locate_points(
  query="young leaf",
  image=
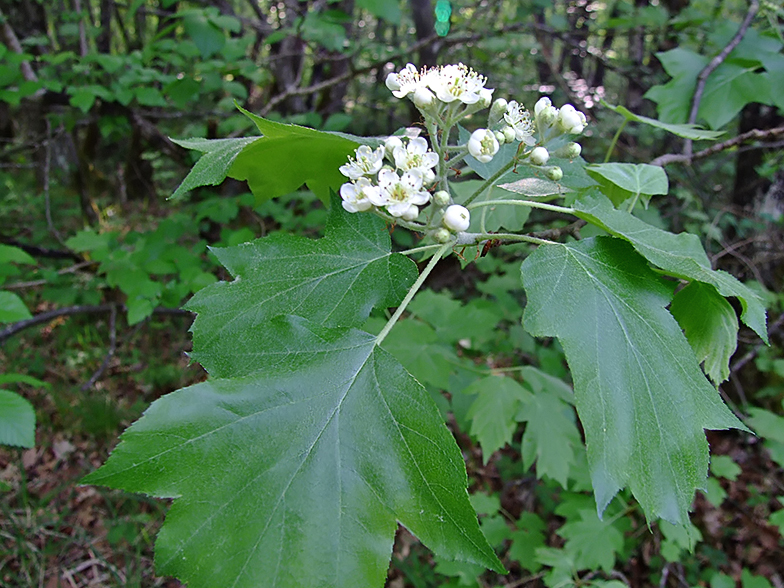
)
(592, 542)
(623, 180)
(17, 420)
(12, 308)
(686, 131)
(295, 475)
(493, 411)
(710, 325)
(275, 165)
(640, 394)
(526, 540)
(680, 255)
(334, 281)
(550, 433)
(213, 167)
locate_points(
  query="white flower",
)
(367, 163)
(404, 82)
(415, 156)
(571, 120)
(517, 117)
(398, 194)
(356, 195)
(457, 218)
(539, 156)
(483, 145)
(457, 82)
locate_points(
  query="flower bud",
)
(392, 143)
(499, 107)
(442, 236)
(509, 134)
(457, 218)
(428, 176)
(570, 150)
(554, 173)
(423, 97)
(441, 198)
(500, 137)
(485, 97)
(411, 213)
(541, 104)
(546, 117)
(539, 156)
(570, 120)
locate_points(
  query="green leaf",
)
(319, 452)
(777, 520)
(513, 218)
(493, 411)
(17, 420)
(723, 466)
(12, 308)
(335, 281)
(209, 39)
(681, 256)
(673, 99)
(767, 424)
(641, 397)
(710, 325)
(623, 180)
(288, 156)
(686, 131)
(594, 543)
(749, 580)
(213, 167)
(24, 379)
(677, 539)
(526, 540)
(389, 10)
(550, 434)
(10, 254)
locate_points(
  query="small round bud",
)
(541, 104)
(539, 156)
(411, 213)
(500, 137)
(442, 236)
(428, 176)
(499, 107)
(423, 97)
(485, 97)
(509, 134)
(483, 145)
(554, 173)
(457, 218)
(572, 150)
(392, 143)
(547, 116)
(570, 120)
(442, 198)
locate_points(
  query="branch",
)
(572, 229)
(756, 134)
(109, 354)
(45, 317)
(8, 36)
(702, 78)
(36, 251)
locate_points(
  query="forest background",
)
(95, 262)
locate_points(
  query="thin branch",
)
(10, 39)
(754, 134)
(702, 78)
(45, 317)
(572, 229)
(83, 49)
(109, 354)
(47, 169)
(35, 283)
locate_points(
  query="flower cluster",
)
(401, 190)
(446, 83)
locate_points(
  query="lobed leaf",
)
(686, 131)
(213, 167)
(641, 397)
(294, 475)
(679, 255)
(334, 281)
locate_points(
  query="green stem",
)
(420, 249)
(528, 203)
(634, 202)
(611, 148)
(412, 291)
(489, 182)
(420, 228)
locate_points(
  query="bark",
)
(104, 41)
(424, 23)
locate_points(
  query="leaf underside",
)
(639, 392)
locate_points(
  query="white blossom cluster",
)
(446, 83)
(400, 190)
